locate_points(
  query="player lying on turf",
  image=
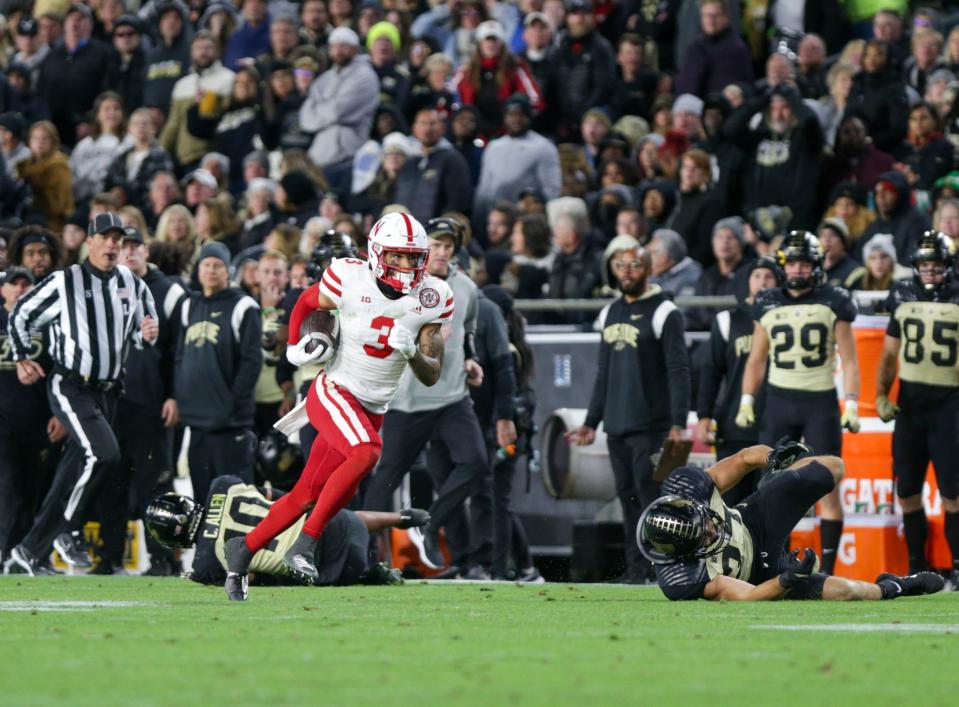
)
(233, 509)
(704, 550)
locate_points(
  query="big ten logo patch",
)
(429, 297)
(202, 333)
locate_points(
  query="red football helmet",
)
(398, 233)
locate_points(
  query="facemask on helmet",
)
(802, 246)
(173, 520)
(673, 529)
(403, 234)
(934, 247)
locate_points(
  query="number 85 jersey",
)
(801, 333)
(365, 364)
(927, 325)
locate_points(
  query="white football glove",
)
(401, 339)
(298, 355)
(746, 416)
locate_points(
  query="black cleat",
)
(237, 586)
(952, 581)
(427, 543)
(73, 549)
(914, 584)
(413, 518)
(299, 560)
(22, 561)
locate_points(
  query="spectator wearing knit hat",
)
(727, 276)
(840, 268)
(218, 360)
(383, 43)
(340, 105)
(880, 266)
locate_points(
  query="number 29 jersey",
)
(802, 338)
(928, 326)
(365, 364)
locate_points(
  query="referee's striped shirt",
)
(94, 316)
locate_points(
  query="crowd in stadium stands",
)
(706, 129)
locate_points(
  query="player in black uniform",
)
(798, 328)
(923, 336)
(702, 549)
(721, 376)
(234, 508)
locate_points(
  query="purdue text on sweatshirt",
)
(642, 380)
(218, 360)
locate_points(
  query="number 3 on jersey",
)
(380, 349)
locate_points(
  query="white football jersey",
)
(364, 363)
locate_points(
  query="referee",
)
(96, 311)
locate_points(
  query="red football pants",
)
(346, 449)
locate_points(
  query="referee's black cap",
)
(104, 223)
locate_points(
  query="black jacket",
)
(642, 378)
(781, 168)
(148, 371)
(138, 188)
(493, 400)
(575, 275)
(906, 224)
(583, 69)
(721, 375)
(435, 183)
(693, 218)
(880, 98)
(164, 67)
(218, 360)
(71, 82)
(129, 81)
(233, 132)
(24, 409)
(844, 273)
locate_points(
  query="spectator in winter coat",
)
(698, 207)
(132, 170)
(855, 158)
(521, 159)
(76, 72)
(93, 155)
(48, 174)
(538, 55)
(728, 273)
(235, 130)
(879, 95)
(31, 49)
(492, 75)
(584, 65)
(895, 215)
(169, 59)
(209, 83)
(925, 59)
(635, 86)
(250, 39)
(716, 60)
(575, 273)
(672, 269)
(438, 180)
(925, 154)
(341, 102)
(131, 71)
(783, 149)
(383, 43)
(811, 72)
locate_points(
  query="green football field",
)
(141, 641)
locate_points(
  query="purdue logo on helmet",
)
(802, 246)
(173, 520)
(673, 528)
(933, 247)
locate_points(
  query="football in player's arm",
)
(922, 341)
(702, 549)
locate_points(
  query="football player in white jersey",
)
(390, 312)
